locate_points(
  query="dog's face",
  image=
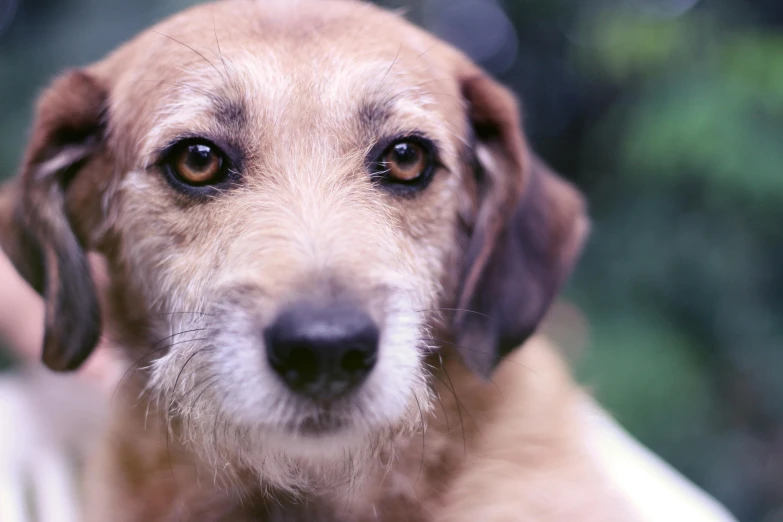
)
(298, 203)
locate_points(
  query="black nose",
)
(322, 351)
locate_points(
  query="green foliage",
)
(682, 281)
(707, 100)
(641, 368)
(625, 45)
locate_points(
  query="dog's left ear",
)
(527, 233)
(43, 213)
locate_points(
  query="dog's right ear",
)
(36, 221)
(15, 240)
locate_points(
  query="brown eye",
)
(405, 161)
(198, 164)
(403, 166)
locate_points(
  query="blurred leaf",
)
(645, 369)
(706, 128)
(622, 44)
(753, 63)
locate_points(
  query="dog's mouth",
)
(325, 421)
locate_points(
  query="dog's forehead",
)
(331, 68)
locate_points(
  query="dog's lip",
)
(313, 427)
(323, 422)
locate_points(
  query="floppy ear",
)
(37, 214)
(526, 235)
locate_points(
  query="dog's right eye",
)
(196, 165)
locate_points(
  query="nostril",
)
(302, 365)
(356, 361)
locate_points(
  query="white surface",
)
(657, 491)
(46, 425)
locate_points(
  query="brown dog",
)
(324, 230)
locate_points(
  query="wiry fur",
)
(300, 94)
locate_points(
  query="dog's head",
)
(297, 203)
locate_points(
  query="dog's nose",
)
(322, 351)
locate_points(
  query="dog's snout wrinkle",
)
(322, 351)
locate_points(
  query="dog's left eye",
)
(406, 165)
(405, 161)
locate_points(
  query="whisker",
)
(218, 416)
(180, 333)
(181, 84)
(182, 369)
(167, 427)
(430, 48)
(193, 388)
(421, 464)
(217, 42)
(452, 389)
(390, 67)
(440, 401)
(175, 313)
(155, 347)
(191, 48)
(454, 310)
(208, 382)
(134, 366)
(207, 386)
(443, 341)
(459, 409)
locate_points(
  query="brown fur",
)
(510, 449)
(462, 426)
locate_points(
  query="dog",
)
(328, 248)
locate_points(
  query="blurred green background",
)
(668, 114)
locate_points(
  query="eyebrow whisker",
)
(217, 43)
(182, 84)
(390, 67)
(191, 48)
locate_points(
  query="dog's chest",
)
(320, 510)
(282, 510)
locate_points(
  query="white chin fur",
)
(238, 416)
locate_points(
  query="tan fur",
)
(304, 90)
(509, 449)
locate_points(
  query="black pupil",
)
(199, 157)
(405, 155)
